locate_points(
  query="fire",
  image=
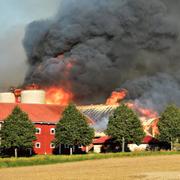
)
(149, 113)
(143, 112)
(116, 97)
(58, 95)
(149, 118)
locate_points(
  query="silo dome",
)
(7, 97)
(33, 97)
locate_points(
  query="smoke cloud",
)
(111, 44)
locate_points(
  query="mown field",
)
(52, 159)
(139, 167)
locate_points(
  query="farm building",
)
(44, 117)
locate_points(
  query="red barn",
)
(44, 117)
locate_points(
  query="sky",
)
(14, 17)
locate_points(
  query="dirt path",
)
(145, 168)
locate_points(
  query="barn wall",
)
(45, 138)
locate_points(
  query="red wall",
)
(44, 138)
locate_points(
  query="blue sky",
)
(14, 16)
(14, 12)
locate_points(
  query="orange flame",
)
(116, 97)
(149, 117)
(149, 113)
(143, 112)
(58, 95)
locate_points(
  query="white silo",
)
(33, 97)
(7, 97)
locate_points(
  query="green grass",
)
(52, 159)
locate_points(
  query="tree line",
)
(18, 132)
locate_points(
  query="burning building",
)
(91, 48)
(45, 116)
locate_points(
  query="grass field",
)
(52, 159)
(142, 167)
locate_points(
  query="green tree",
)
(73, 129)
(17, 131)
(169, 125)
(124, 126)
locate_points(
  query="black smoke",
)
(112, 44)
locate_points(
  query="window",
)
(52, 145)
(38, 130)
(52, 131)
(37, 145)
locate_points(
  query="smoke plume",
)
(111, 44)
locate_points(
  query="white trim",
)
(39, 130)
(52, 131)
(38, 145)
(52, 146)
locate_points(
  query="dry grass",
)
(145, 168)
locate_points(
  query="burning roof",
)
(99, 114)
